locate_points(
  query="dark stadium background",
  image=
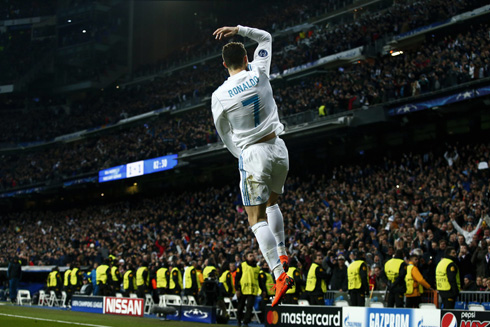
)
(144, 53)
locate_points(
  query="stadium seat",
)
(148, 303)
(119, 295)
(173, 300)
(230, 309)
(191, 300)
(43, 298)
(63, 299)
(161, 301)
(427, 306)
(255, 310)
(303, 303)
(341, 303)
(460, 305)
(476, 307)
(24, 296)
(486, 305)
(376, 305)
(53, 299)
(133, 295)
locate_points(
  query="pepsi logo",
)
(449, 320)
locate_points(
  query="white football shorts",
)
(263, 169)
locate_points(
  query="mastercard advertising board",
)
(465, 318)
(294, 315)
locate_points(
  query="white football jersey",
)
(243, 107)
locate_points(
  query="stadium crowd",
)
(419, 203)
(200, 80)
(438, 64)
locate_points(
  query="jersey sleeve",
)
(263, 53)
(223, 126)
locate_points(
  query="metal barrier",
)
(480, 297)
(380, 296)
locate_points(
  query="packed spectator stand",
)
(410, 202)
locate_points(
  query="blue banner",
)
(421, 29)
(93, 304)
(417, 106)
(481, 91)
(198, 314)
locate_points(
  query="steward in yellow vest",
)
(247, 287)
(316, 281)
(142, 280)
(358, 280)
(54, 281)
(293, 294)
(129, 282)
(415, 283)
(226, 283)
(116, 278)
(266, 285)
(396, 270)
(175, 283)
(162, 277)
(66, 279)
(76, 278)
(209, 272)
(447, 278)
(191, 282)
(104, 278)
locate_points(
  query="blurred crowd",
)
(418, 203)
(439, 64)
(198, 81)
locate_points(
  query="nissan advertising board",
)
(124, 306)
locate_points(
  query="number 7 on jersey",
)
(254, 100)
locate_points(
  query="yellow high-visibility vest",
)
(188, 278)
(113, 274)
(50, 279)
(410, 282)
(290, 273)
(172, 284)
(66, 281)
(223, 280)
(250, 279)
(441, 275)
(101, 274)
(392, 268)
(139, 277)
(311, 279)
(207, 271)
(126, 280)
(354, 276)
(269, 283)
(162, 278)
(74, 277)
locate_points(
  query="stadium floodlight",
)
(396, 53)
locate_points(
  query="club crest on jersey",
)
(263, 53)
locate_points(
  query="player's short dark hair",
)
(233, 54)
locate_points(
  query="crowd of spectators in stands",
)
(201, 80)
(437, 65)
(13, 9)
(419, 202)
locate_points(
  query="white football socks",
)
(276, 224)
(268, 246)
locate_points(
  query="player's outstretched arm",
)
(225, 31)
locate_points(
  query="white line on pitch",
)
(60, 321)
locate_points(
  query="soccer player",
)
(245, 115)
